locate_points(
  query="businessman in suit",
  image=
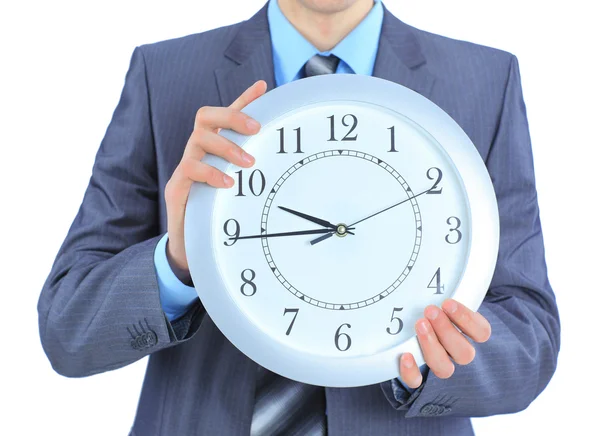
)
(120, 288)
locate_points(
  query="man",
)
(120, 288)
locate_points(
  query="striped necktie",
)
(285, 407)
(320, 64)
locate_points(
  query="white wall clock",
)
(366, 203)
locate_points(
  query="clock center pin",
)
(342, 230)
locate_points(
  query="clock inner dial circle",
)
(373, 243)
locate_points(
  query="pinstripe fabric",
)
(103, 282)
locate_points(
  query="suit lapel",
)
(399, 58)
(251, 59)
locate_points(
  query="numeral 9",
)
(235, 234)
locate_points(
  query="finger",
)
(472, 324)
(409, 371)
(453, 341)
(204, 141)
(187, 172)
(435, 355)
(178, 187)
(249, 95)
(213, 118)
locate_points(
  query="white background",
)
(62, 71)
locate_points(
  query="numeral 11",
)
(282, 141)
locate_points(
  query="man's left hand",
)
(440, 340)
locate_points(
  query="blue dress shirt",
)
(357, 52)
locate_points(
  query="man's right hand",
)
(205, 139)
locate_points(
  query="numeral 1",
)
(392, 139)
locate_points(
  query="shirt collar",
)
(291, 50)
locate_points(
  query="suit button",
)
(146, 337)
(428, 409)
(431, 409)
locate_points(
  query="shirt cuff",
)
(175, 296)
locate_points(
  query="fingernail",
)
(422, 327)
(252, 125)
(407, 363)
(227, 180)
(450, 306)
(432, 312)
(246, 157)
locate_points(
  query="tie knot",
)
(320, 64)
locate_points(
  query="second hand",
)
(388, 208)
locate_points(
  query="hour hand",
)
(313, 219)
(310, 218)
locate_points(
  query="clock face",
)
(337, 162)
(353, 219)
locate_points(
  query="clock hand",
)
(272, 235)
(322, 238)
(328, 235)
(340, 230)
(388, 208)
(313, 219)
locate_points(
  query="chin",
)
(327, 6)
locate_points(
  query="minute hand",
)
(273, 235)
(388, 208)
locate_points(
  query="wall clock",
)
(366, 203)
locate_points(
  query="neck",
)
(324, 29)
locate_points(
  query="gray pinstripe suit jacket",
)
(102, 288)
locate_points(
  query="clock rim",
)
(350, 371)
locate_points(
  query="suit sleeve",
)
(99, 308)
(513, 367)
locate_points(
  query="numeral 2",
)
(437, 178)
